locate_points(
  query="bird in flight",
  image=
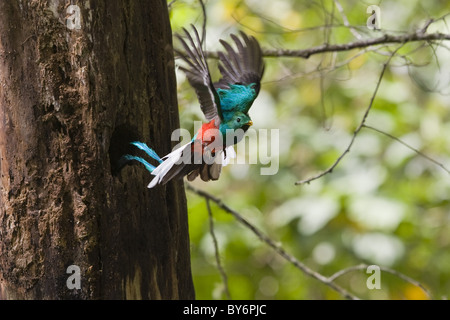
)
(225, 105)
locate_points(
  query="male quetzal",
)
(225, 105)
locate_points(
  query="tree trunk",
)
(77, 84)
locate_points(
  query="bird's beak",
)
(250, 123)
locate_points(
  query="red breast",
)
(207, 134)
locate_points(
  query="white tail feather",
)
(172, 158)
(229, 153)
(167, 164)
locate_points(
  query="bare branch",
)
(328, 69)
(358, 129)
(306, 53)
(329, 281)
(383, 40)
(277, 247)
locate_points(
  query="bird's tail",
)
(147, 150)
(127, 158)
(190, 160)
(179, 163)
(170, 166)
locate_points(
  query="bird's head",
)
(240, 120)
(234, 129)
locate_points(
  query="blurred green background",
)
(383, 204)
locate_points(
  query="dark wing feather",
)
(242, 66)
(198, 75)
(192, 170)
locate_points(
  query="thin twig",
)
(325, 70)
(384, 269)
(358, 129)
(216, 250)
(345, 20)
(277, 247)
(409, 147)
(202, 4)
(425, 27)
(170, 4)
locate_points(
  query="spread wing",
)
(242, 66)
(197, 73)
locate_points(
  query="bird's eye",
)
(238, 120)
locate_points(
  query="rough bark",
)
(70, 102)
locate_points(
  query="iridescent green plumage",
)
(241, 69)
(237, 98)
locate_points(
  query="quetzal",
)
(225, 105)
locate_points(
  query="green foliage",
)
(383, 204)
